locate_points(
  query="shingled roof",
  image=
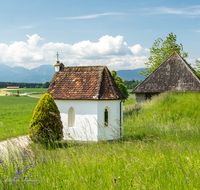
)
(84, 83)
(173, 74)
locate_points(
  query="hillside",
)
(131, 74)
(168, 116)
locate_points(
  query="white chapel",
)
(89, 101)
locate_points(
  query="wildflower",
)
(43, 161)
(25, 171)
(19, 171)
(12, 182)
(1, 161)
(4, 185)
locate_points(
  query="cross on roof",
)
(57, 56)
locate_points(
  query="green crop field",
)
(160, 150)
(24, 90)
(15, 115)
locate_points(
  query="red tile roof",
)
(12, 87)
(84, 83)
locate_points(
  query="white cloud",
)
(33, 40)
(136, 48)
(191, 61)
(26, 27)
(187, 11)
(90, 16)
(110, 51)
(198, 31)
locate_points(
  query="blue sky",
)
(113, 33)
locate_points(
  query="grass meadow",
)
(131, 96)
(160, 150)
(24, 90)
(15, 115)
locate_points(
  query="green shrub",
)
(46, 126)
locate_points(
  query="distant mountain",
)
(45, 73)
(131, 74)
(20, 74)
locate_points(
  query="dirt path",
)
(13, 145)
(2, 93)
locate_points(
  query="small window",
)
(71, 117)
(106, 117)
(148, 96)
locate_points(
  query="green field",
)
(24, 90)
(131, 95)
(129, 90)
(15, 115)
(160, 150)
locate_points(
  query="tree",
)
(197, 67)
(46, 126)
(46, 85)
(37, 86)
(120, 83)
(160, 50)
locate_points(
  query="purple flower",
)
(4, 186)
(1, 161)
(19, 172)
(43, 161)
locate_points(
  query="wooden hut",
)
(173, 74)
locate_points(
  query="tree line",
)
(131, 84)
(124, 85)
(24, 85)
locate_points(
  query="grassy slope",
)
(170, 116)
(160, 151)
(15, 115)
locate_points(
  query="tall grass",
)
(127, 165)
(169, 116)
(160, 150)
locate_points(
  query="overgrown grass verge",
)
(173, 116)
(127, 165)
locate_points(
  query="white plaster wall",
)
(112, 131)
(57, 68)
(85, 128)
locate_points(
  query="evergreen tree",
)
(46, 126)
